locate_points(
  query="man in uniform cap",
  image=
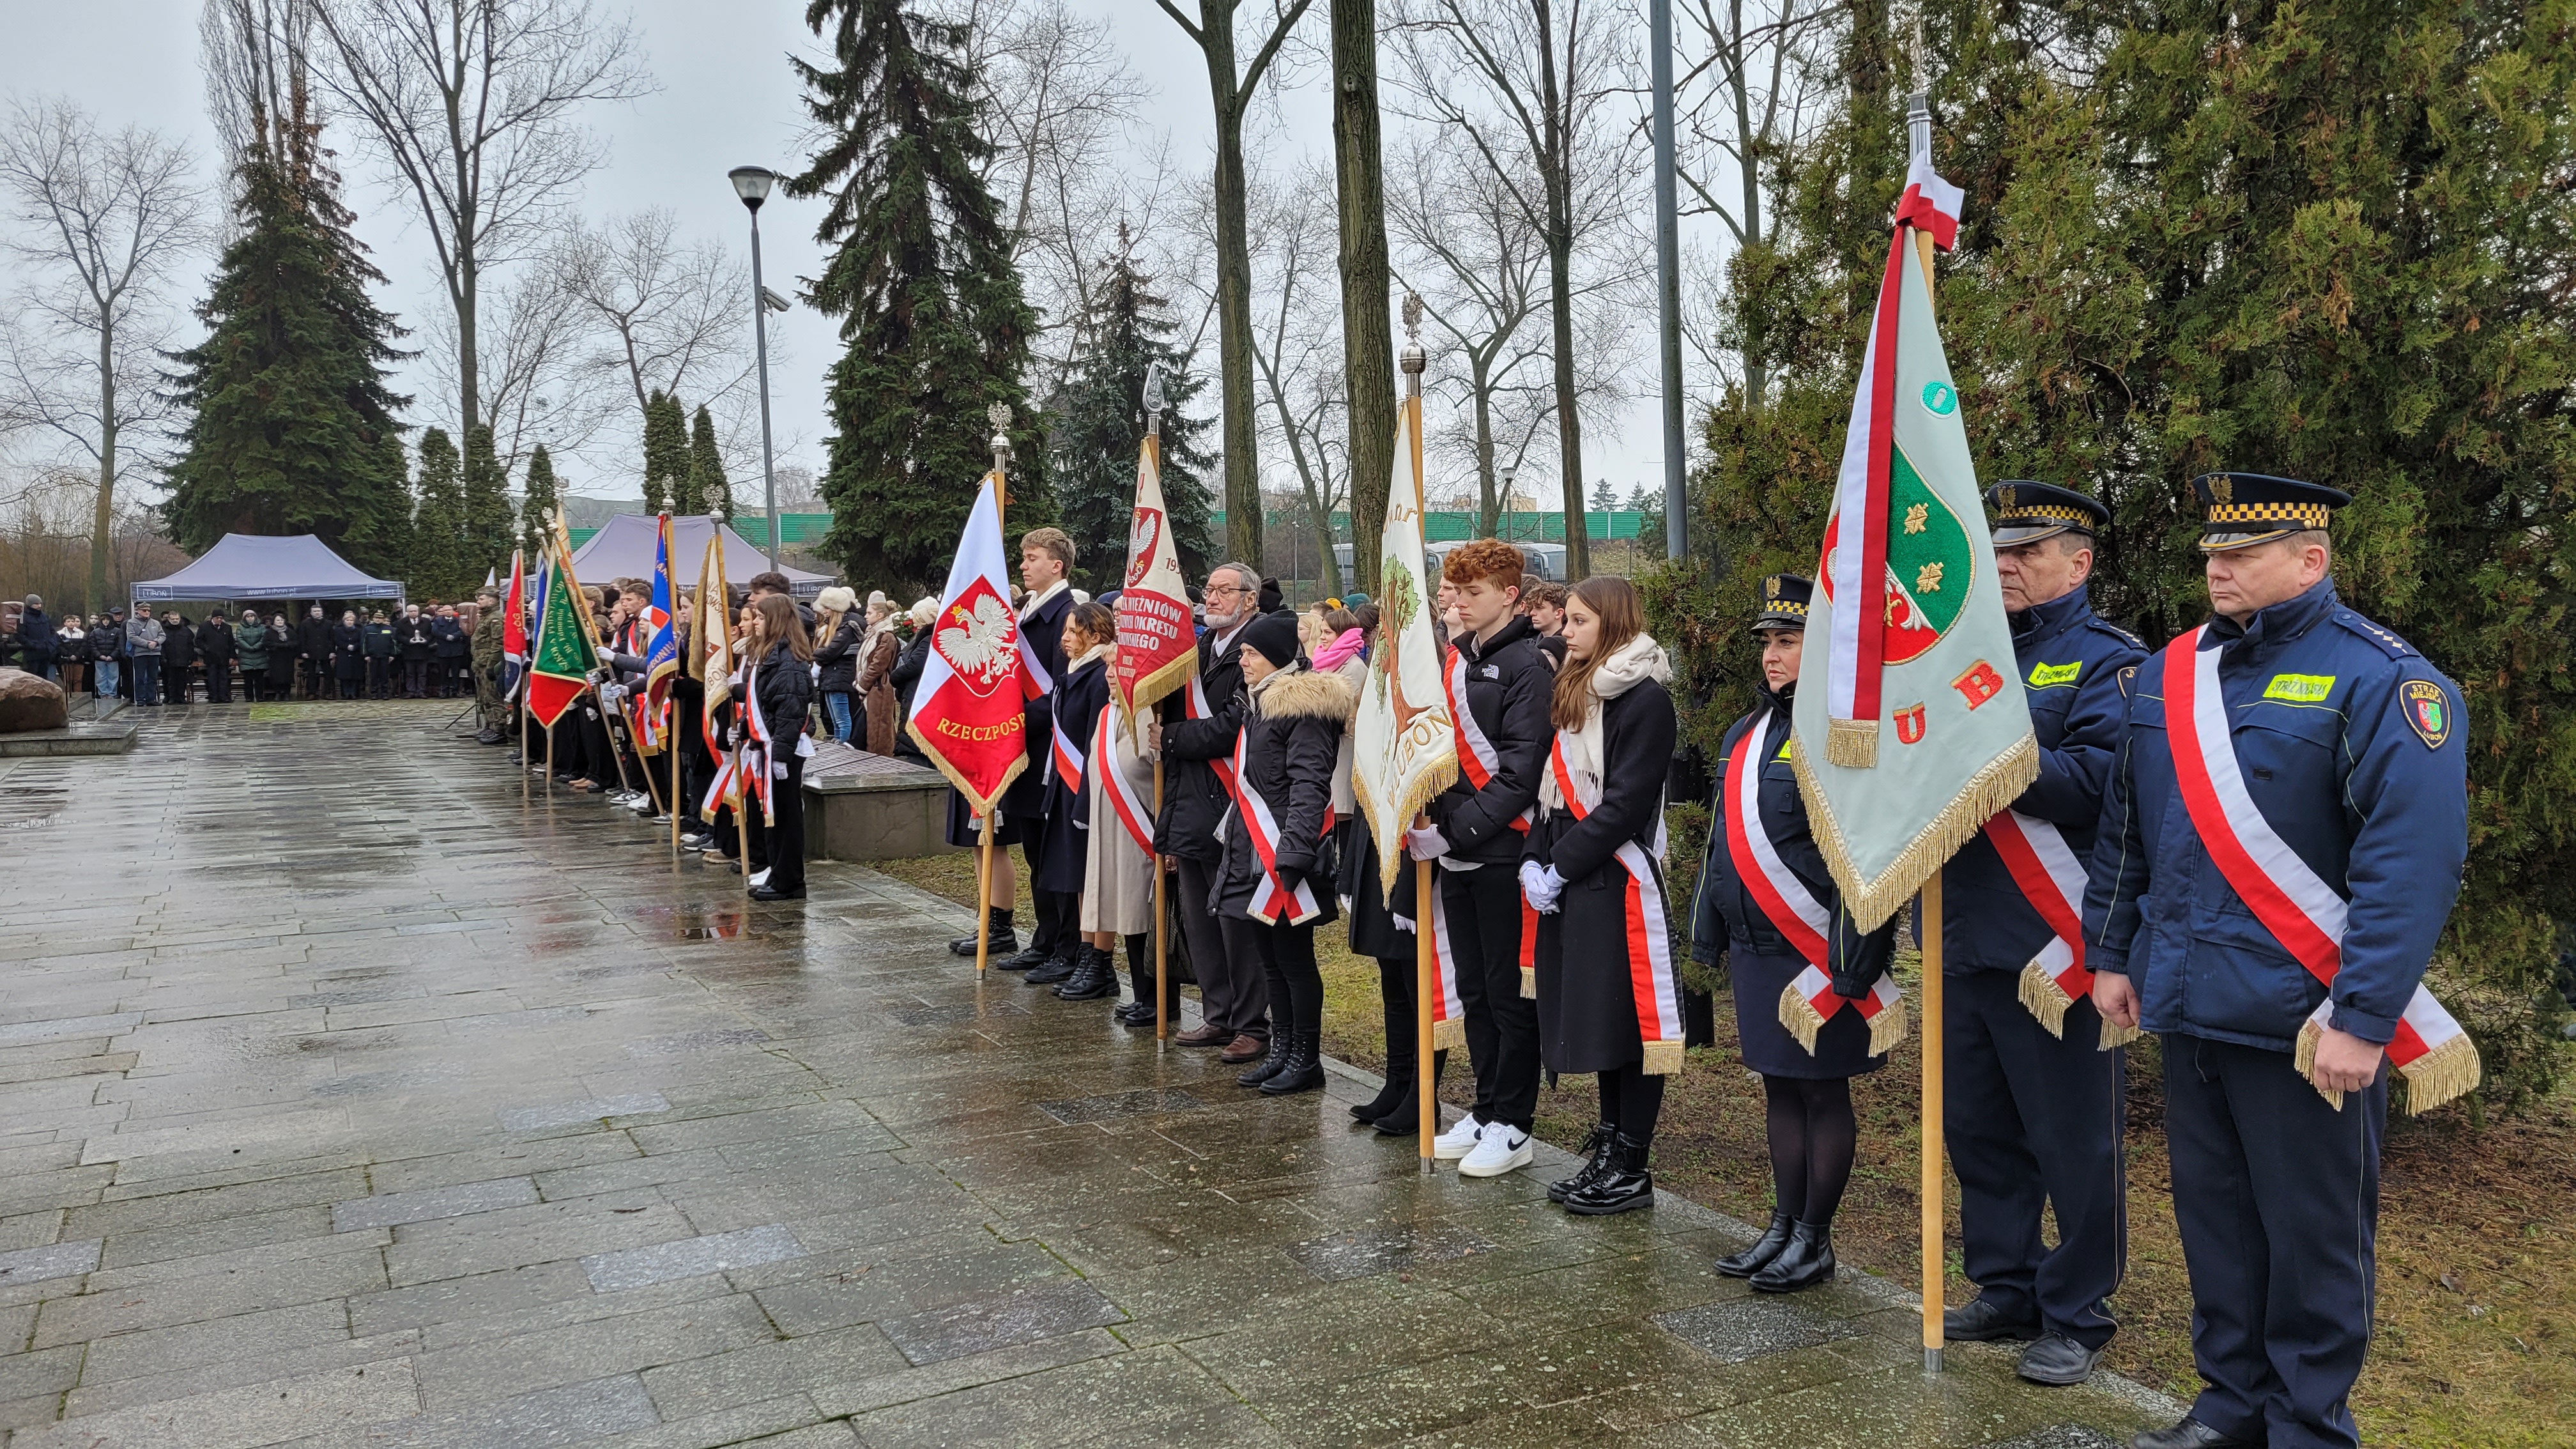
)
(2280, 847)
(2033, 1109)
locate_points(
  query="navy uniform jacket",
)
(2353, 770)
(1044, 629)
(1725, 914)
(2071, 663)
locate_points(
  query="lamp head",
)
(752, 184)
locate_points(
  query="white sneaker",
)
(1458, 1141)
(760, 877)
(1498, 1151)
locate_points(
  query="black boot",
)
(1046, 968)
(1765, 1248)
(1596, 1157)
(1270, 1064)
(1405, 1117)
(1140, 982)
(1094, 977)
(1806, 1262)
(998, 927)
(1304, 1069)
(1400, 1058)
(1622, 1184)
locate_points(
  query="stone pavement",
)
(343, 1101)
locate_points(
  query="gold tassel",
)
(1663, 1059)
(2045, 1001)
(2305, 1057)
(1887, 1029)
(2448, 1071)
(1852, 743)
(2115, 1037)
(1872, 901)
(1426, 786)
(1529, 982)
(1447, 1035)
(1799, 1018)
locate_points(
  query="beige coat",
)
(1118, 879)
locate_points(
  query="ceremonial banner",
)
(514, 628)
(662, 646)
(966, 709)
(564, 657)
(711, 642)
(1914, 730)
(1404, 743)
(1157, 647)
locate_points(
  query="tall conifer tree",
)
(1093, 471)
(709, 490)
(537, 504)
(486, 504)
(661, 482)
(438, 560)
(933, 323)
(292, 425)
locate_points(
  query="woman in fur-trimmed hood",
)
(1277, 872)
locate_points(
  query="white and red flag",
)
(966, 711)
(1157, 647)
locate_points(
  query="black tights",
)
(1288, 963)
(1631, 1101)
(1812, 1139)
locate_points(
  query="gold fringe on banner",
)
(1799, 1017)
(2040, 994)
(1426, 784)
(2446, 1073)
(1991, 789)
(1663, 1059)
(1852, 743)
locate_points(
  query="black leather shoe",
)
(2059, 1360)
(1596, 1156)
(1765, 1248)
(1981, 1321)
(1027, 960)
(1304, 1069)
(1093, 978)
(2188, 1434)
(1622, 1185)
(1271, 1062)
(998, 927)
(1405, 1117)
(1059, 967)
(1806, 1262)
(764, 893)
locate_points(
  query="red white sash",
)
(756, 744)
(1810, 1001)
(1035, 682)
(1651, 982)
(1068, 760)
(2304, 913)
(1476, 754)
(1271, 894)
(1448, 1008)
(1195, 701)
(1124, 801)
(2051, 879)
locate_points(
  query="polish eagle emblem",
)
(979, 639)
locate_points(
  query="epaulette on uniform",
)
(2116, 632)
(2385, 638)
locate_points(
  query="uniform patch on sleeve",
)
(2428, 709)
(2300, 688)
(2042, 676)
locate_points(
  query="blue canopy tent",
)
(252, 566)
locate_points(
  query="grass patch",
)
(2476, 1223)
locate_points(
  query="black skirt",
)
(1842, 1048)
(964, 831)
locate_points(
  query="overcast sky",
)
(726, 99)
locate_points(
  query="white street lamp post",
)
(752, 184)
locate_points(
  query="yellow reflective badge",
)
(1784, 748)
(2300, 688)
(2043, 676)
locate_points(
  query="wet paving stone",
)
(377, 1107)
(1369, 1252)
(1752, 1328)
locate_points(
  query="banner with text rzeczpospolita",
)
(966, 709)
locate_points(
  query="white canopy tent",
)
(624, 549)
(254, 566)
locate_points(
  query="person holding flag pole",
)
(1157, 654)
(559, 667)
(514, 657)
(967, 716)
(661, 627)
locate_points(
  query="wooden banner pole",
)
(1935, 1195)
(984, 896)
(741, 818)
(1426, 973)
(1162, 962)
(673, 735)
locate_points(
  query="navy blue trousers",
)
(2033, 1119)
(2277, 1196)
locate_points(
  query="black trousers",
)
(2277, 1197)
(1287, 954)
(1233, 990)
(317, 668)
(415, 678)
(779, 844)
(380, 676)
(219, 683)
(1482, 909)
(1058, 913)
(2034, 1119)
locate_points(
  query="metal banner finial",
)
(1412, 359)
(999, 414)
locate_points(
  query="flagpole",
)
(1935, 1191)
(1425, 968)
(1153, 399)
(999, 414)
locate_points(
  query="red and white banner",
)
(966, 712)
(1651, 982)
(2294, 903)
(1157, 644)
(1448, 1008)
(2043, 866)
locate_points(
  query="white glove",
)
(607, 655)
(1540, 886)
(1425, 842)
(1404, 924)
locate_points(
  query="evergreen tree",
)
(537, 505)
(933, 323)
(486, 502)
(291, 427)
(1602, 498)
(438, 560)
(1093, 471)
(709, 491)
(379, 539)
(665, 453)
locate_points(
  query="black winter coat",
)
(1194, 800)
(1587, 999)
(786, 687)
(377, 640)
(1292, 734)
(313, 638)
(1081, 693)
(1044, 631)
(1726, 914)
(1508, 685)
(348, 651)
(414, 636)
(215, 645)
(838, 657)
(178, 648)
(446, 638)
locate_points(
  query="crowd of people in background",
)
(165, 658)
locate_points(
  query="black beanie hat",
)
(1275, 635)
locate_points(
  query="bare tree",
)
(258, 60)
(1231, 89)
(471, 105)
(1528, 84)
(103, 222)
(1297, 337)
(533, 366)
